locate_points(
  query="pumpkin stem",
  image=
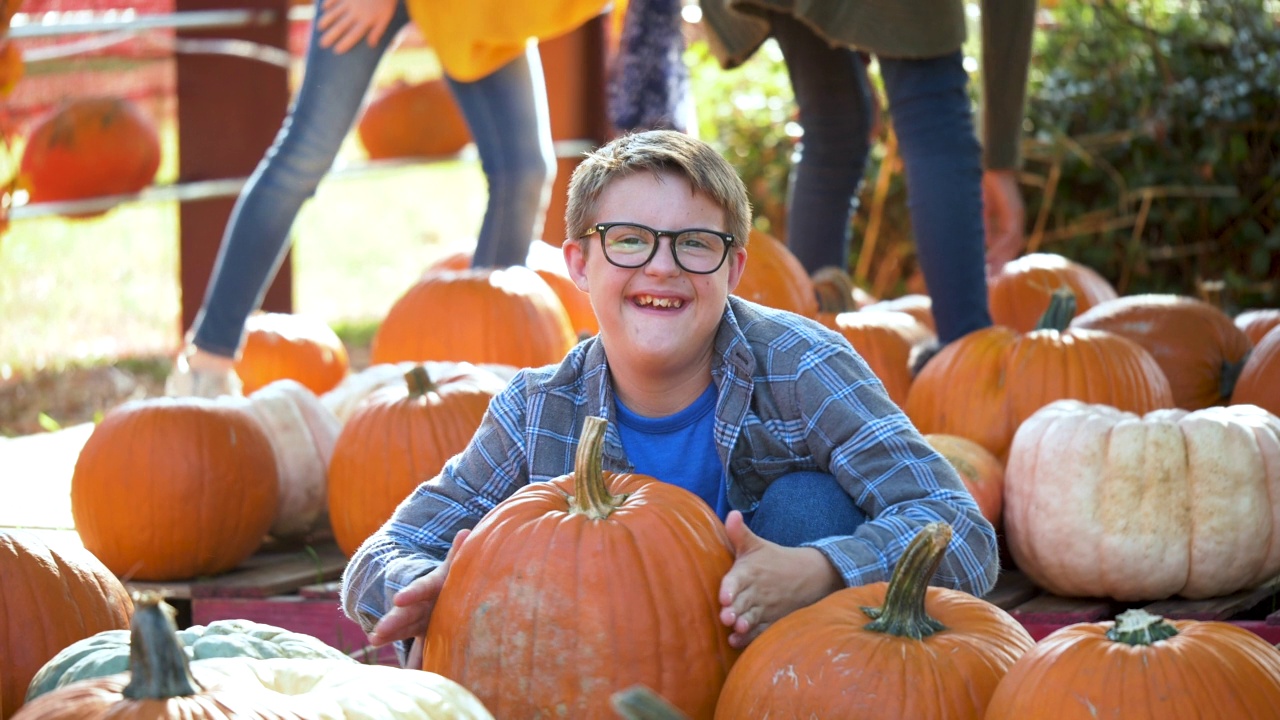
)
(640, 703)
(157, 663)
(1062, 307)
(591, 496)
(420, 382)
(903, 613)
(1139, 627)
(1230, 374)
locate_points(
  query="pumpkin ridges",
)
(1257, 384)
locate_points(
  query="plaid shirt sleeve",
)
(418, 536)
(857, 434)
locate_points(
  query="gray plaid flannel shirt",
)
(792, 396)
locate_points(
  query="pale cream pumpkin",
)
(1104, 503)
(302, 432)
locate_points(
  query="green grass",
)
(76, 291)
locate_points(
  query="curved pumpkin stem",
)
(903, 614)
(420, 382)
(1139, 627)
(157, 663)
(640, 703)
(1062, 307)
(591, 497)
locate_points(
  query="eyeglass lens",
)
(696, 251)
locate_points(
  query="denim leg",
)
(256, 239)
(834, 102)
(943, 161)
(804, 507)
(509, 120)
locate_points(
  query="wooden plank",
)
(1219, 608)
(321, 619)
(322, 591)
(1053, 610)
(1012, 589)
(262, 575)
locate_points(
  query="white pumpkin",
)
(302, 433)
(1104, 503)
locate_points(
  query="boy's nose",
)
(664, 261)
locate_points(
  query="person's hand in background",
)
(343, 23)
(1005, 218)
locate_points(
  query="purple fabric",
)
(649, 85)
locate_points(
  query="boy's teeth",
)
(659, 302)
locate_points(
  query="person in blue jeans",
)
(951, 178)
(506, 112)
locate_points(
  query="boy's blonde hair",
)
(658, 151)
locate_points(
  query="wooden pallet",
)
(289, 586)
(1257, 611)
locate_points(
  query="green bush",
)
(1153, 151)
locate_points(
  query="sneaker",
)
(187, 382)
(921, 355)
(834, 290)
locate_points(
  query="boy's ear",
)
(575, 259)
(737, 262)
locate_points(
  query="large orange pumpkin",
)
(399, 438)
(174, 488)
(891, 650)
(774, 277)
(985, 384)
(885, 341)
(507, 317)
(411, 120)
(1197, 345)
(280, 346)
(50, 597)
(1019, 294)
(1259, 381)
(1143, 667)
(90, 147)
(573, 589)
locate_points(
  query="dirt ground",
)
(74, 395)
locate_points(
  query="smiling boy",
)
(772, 419)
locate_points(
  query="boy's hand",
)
(342, 23)
(767, 581)
(413, 604)
(1005, 218)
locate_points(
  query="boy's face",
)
(658, 315)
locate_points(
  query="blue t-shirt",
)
(679, 449)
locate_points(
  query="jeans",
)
(804, 507)
(940, 152)
(509, 122)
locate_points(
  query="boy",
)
(772, 419)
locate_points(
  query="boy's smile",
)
(657, 318)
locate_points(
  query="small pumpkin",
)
(508, 317)
(107, 652)
(281, 346)
(892, 650)
(1259, 381)
(399, 438)
(413, 119)
(1198, 346)
(885, 340)
(981, 472)
(162, 684)
(175, 488)
(1257, 323)
(1020, 292)
(1142, 667)
(572, 589)
(775, 278)
(51, 597)
(1099, 502)
(90, 147)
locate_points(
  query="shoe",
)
(187, 382)
(834, 290)
(920, 356)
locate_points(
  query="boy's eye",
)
(628, 239)
(695, 241)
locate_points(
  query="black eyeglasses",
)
(629, 245)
